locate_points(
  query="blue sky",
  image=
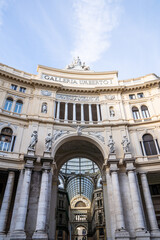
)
(108, 35)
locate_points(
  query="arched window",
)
(8, 104)
(6, 139)
(18, 107)
(135, 112)
(145, 112)
(111, 112)
(149, 145)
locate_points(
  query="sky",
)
(108, 35)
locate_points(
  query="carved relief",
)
(98, 135)
(46, 93)
(59, 133)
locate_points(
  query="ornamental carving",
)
(59, 133)
(109, 97)
(46, 93)
(76, 98)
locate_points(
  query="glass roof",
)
(79, 166)
(79, 172)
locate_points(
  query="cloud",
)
(94, 20)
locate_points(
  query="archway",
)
(79, 195)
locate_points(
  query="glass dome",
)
(79, 166)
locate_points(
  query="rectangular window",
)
(22, 89)
(140, 95)
(13, 87)
(132, 96)
(155, 189)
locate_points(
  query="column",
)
(157, 148)
(82, 113)
(117, 200)
(6, 202)
(149, 203)
(90, 114)
(19, 231)
(98, 113)
(40, 232)
(58, 110)
(66, 113)
(74, 112)
(138, 214)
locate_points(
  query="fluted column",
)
(6, 202)
(82, 113)
(58, 110)
(19, 232)
(74, 112)
(98, 113)
(40, 232)
(138, 214)
(149, 203)
(66, 112)
(117, 200)
(90, 114)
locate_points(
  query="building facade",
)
(79, 155)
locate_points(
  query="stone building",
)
(79, 155)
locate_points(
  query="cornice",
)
(96, 89)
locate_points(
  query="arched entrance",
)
(79, 194)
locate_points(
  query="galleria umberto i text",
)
(79, 155)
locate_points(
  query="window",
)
(145, 112)
(8, 104)
(18, 106)
(6, 139)
(135, 113)
(149, 145)
(132, 96)
(140, 95)
(13, 87)
(22, 89)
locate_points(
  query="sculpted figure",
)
(125, 143)
(111, 144)
(44, 108)
(112, 112)
(48, 142)
(34, 140)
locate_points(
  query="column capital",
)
(29, 161)
(46, 163)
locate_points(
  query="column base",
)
(40, 235)
(2, 236)
(18, 235)
(155, 235)
(121, 234)
(142, 235)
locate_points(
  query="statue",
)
(48, 142)
(112, 112)
(111, 145)
(44, 108)
(125, 143)
(77, 65)
(34, 140)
